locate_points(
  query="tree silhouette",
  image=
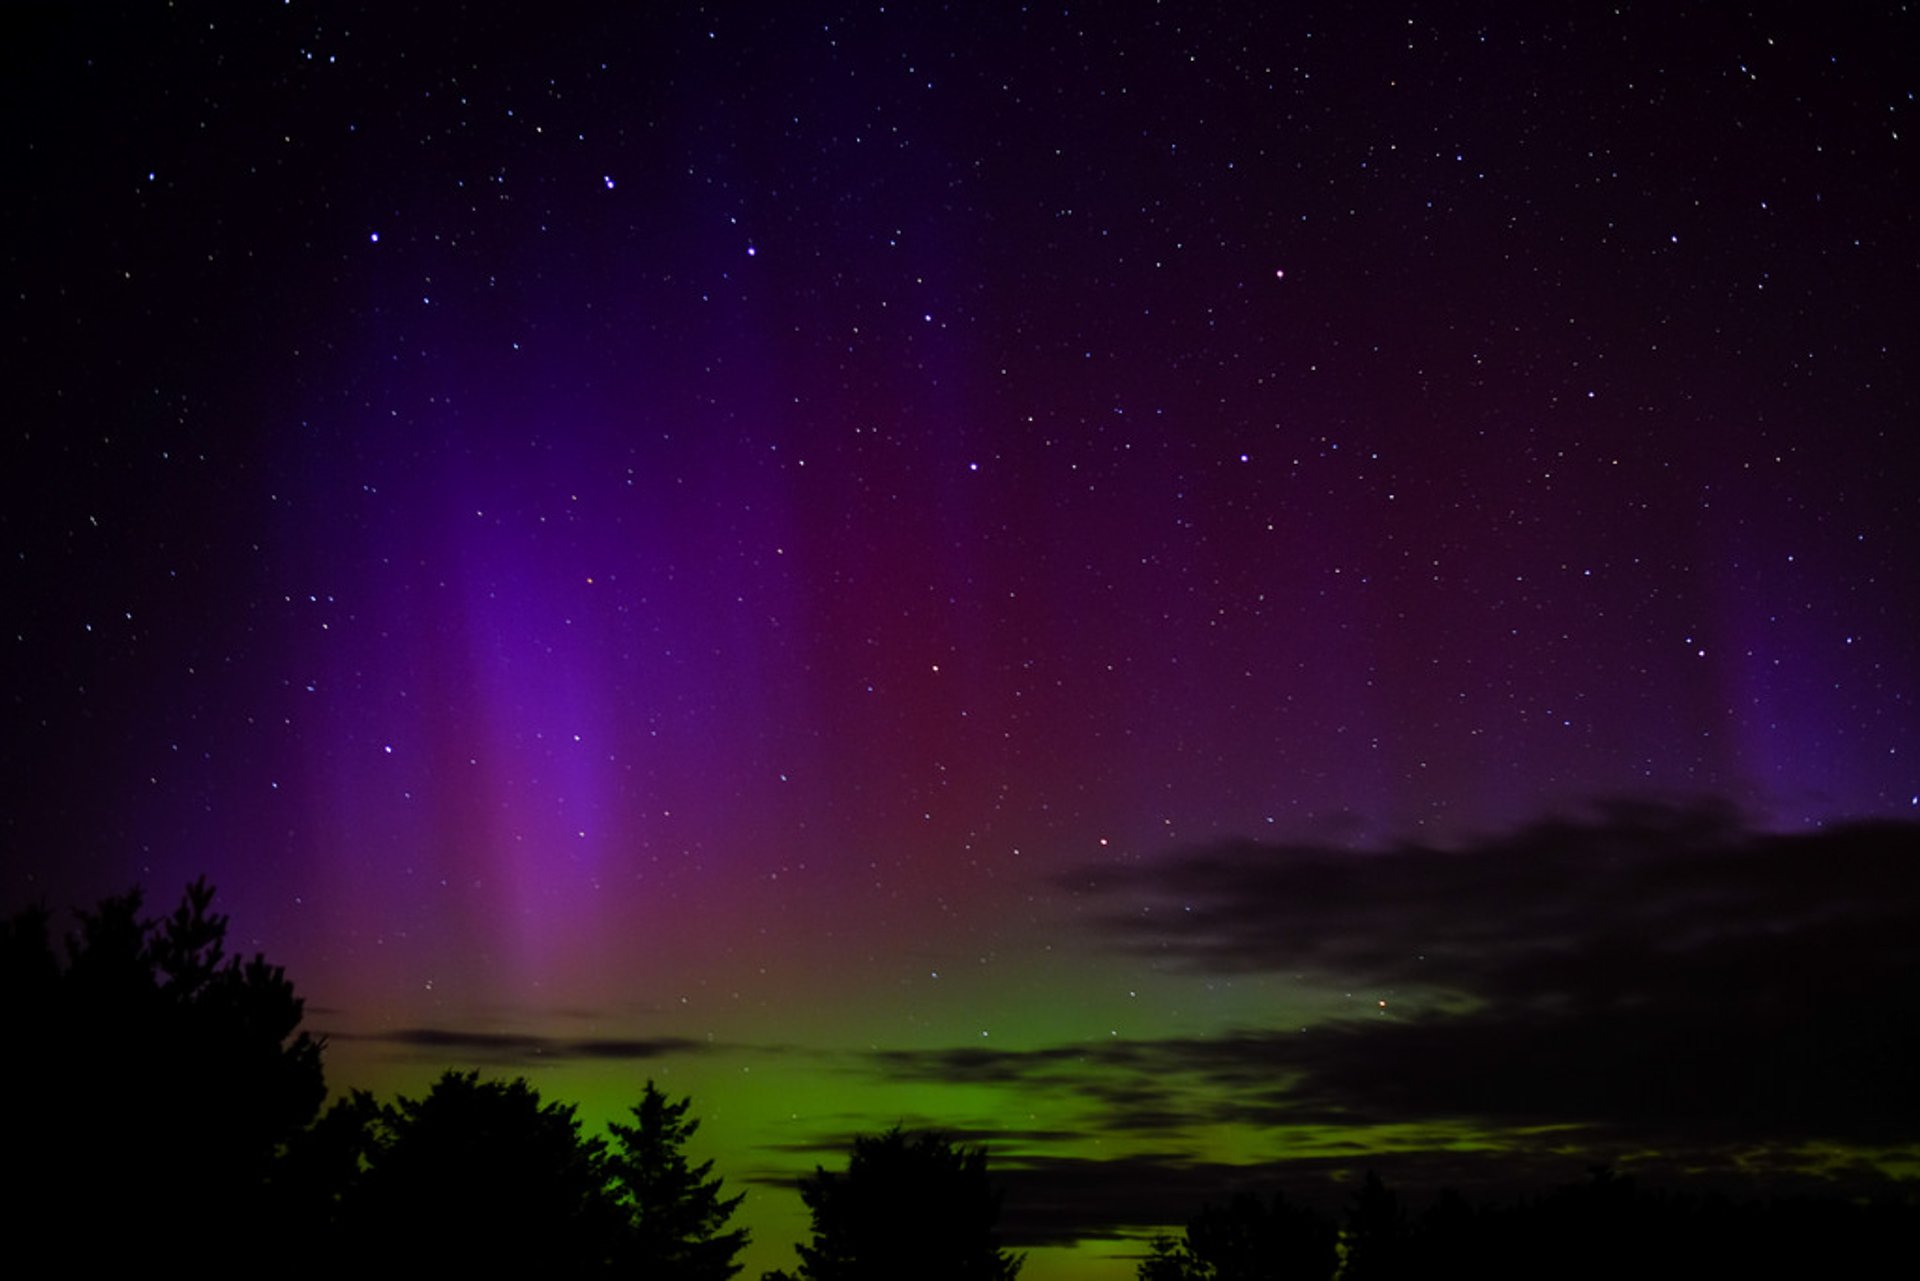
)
(1247, 1240)
(1172, 1260)
(481, 1177)
(159, 1077)
(1374, 1241)
(1250, 1240)
(675, 1215)
(1604, 1228)
(319, 1172)
(907, 1206)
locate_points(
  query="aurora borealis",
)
(995, 566)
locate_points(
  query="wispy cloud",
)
(1654, 976)
(515, 1048)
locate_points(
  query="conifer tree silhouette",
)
(676, 1218)
(160, 1077)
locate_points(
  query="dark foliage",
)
(484, 1176)
(675, 1217)
(908, 1205)
(481, 1178)
(160, 1092)
(152, 1078)
(319, 1168)
(1377, 1238)
(1247, 1240)
(1171, 1260)
(1605, 1228)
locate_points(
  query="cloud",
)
(1653, 976)
(1639, 886)
(519, 1048)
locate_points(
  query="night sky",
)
(1204, 594)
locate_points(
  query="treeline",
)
(1608, 1227)
(161, 1100)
